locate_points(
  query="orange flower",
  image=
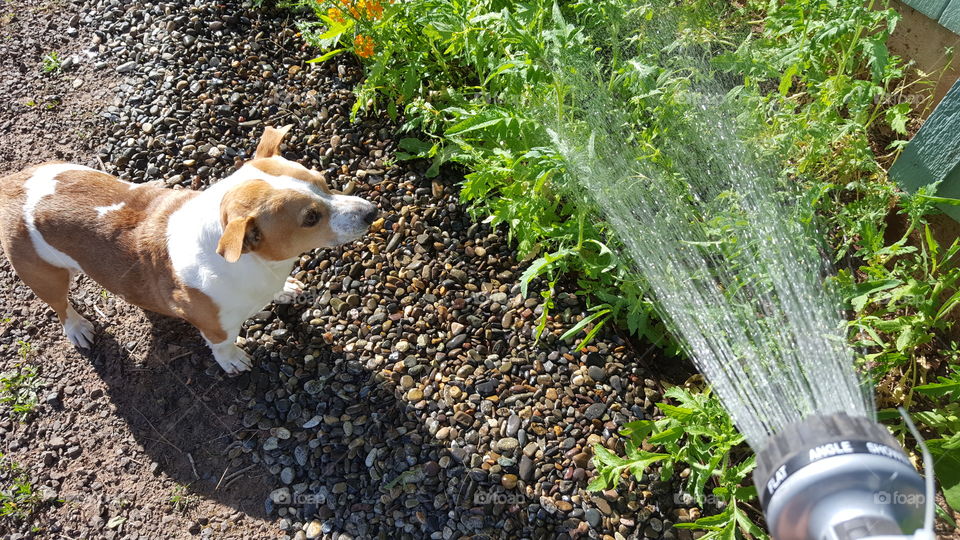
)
(374, 9)
(337, 15)
(363, 46)
(353, 8)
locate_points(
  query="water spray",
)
(740, 278)
(775, 355)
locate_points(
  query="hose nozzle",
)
(838, 477)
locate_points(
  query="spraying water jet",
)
(733, 262)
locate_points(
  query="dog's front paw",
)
(292, 289)
(231, 358)
(79, 331)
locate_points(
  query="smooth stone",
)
(595, 411)
(513, 425)
(526, 468)
(314, 529)
(508, 445)
(581, 460)
(593, 517)
(597, 373)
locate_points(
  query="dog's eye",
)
(311, 218)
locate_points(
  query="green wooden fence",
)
(946, 12)
(933, 154)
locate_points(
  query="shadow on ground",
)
(178, 412)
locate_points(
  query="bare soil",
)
(136, 432)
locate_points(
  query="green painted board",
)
(934, 153)
(950, 18)
(931, 8)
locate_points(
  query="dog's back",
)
(80, 219)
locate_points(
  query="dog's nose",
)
(370, 215)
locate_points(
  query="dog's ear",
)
(270, 141)
(238, 217)
(240, 236)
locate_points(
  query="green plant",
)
(904, 297)
(24, 348)
(698, 433)
(17, 498)
(835, 80)
(51, 62)
(18, 390)
(181, 499)
(944, 419)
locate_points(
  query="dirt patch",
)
(50, 89)
(135, 435)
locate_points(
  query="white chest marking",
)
(41, 184)
(102, 210)
(239, 289)
(242, 288)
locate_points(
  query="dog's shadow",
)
(177, 404)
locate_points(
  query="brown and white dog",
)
(214, 257)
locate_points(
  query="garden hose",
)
(840, 477)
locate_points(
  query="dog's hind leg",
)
(52, 285)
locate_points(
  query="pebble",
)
(314, 529)
(127, 67)
(595, 411)
(508, 445)
(593, 517)
(513, 425)
(526, 468)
